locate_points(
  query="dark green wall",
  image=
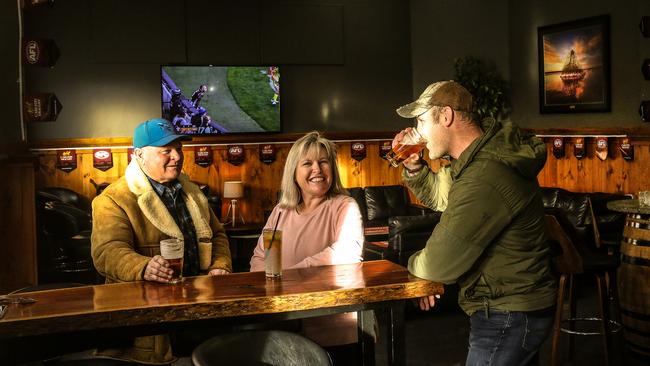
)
(443, 30)
(9, 91)
(345, 64)
(628, 49)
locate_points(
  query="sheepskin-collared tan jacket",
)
(129, 220)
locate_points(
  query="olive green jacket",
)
(129, 220)
(491, 238)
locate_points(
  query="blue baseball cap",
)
(156, 132)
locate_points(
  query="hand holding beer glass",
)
(410, 143)
(172, 251)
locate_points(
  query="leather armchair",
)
(408, 234)
(587, 214)
(394, 227)
(214, 201)
(63, 234)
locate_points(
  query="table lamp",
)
(233, 190)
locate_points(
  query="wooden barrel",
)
(634, 283)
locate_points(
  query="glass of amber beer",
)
(411, 143)
(172, 251)
(272, 252)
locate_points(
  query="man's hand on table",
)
(427, 302)
(218, 272)
(157, 270)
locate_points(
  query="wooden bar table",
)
(139, 308)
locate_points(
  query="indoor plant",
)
(490, 90)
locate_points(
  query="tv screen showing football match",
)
(210, 100)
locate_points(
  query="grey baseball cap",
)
(441, 94)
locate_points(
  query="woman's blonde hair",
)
(291, 196)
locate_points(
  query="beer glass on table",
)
(411, 143)
(272, 252)
(172, 251)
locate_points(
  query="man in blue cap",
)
(151, 202)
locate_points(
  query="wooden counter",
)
(300, 293)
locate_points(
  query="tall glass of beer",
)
(272, 252)
(172, 251)
(411, 143)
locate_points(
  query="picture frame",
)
(574, 66)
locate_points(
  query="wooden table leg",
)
(396, 334)
(366, 322)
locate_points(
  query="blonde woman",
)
(321, 225)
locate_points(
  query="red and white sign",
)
(66, 160)
(40, 52)
(358, 151)
(235, 154)
(203, 156)
(102, 159)
(267, 153)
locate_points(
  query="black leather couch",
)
(578, 220)
(394, 227)
(213, 200)
(64, 225)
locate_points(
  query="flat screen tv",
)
(209, 100)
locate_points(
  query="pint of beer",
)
(412, 143)
(172, 251)
(272, 252)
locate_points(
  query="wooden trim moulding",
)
(638, 133)
(210, 140)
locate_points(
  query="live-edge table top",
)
(209, 297)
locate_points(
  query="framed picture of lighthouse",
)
(574, 71)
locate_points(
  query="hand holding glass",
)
(172, 251)
(272, 252)
(412, 143)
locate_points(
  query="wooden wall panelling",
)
(590, 174)
(262, 181)
(18, 254)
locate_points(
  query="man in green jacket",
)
(491, 238)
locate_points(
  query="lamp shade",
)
(233, 189)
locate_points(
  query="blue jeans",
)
(507, 338)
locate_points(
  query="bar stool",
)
(267, 347)
(574, 262)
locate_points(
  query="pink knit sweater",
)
(331, 234)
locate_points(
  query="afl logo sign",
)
(32, 52)
(235, 154)
(358, 151)
(102, 154)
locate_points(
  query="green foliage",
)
(490, 91)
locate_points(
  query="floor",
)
(440, 338)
